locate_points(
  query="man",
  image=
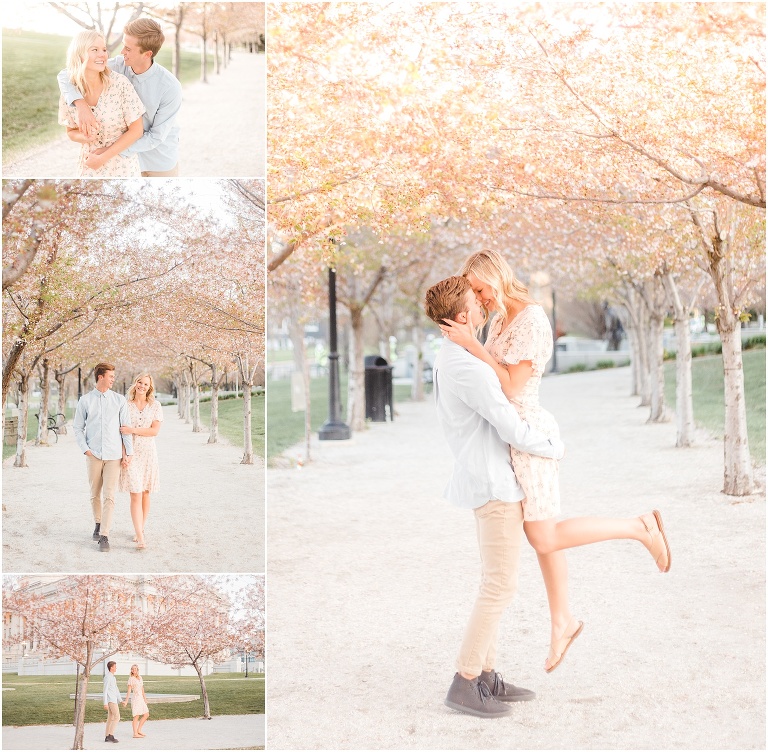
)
(159, 91)
(98, 418)
(112, 697)
(479, 425)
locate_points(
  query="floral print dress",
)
(529, 337)
(118, 106)
(138, 705)
(143, 472)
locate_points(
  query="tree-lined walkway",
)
(220, 732)
(222, 126)
(207, 516)
(665, 661)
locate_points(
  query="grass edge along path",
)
(43, 700)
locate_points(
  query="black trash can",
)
(378, 389)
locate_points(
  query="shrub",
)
(670, 355)
(605, 364)
(576, 368)
(754, 342)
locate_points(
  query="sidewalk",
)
(207, 516)
(222, 127)
(372, 577)
(221, 732)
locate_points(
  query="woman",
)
(518, 346)
(115, 104)
(139, 474)
(139, 708)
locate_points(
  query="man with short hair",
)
(479, 425)
(98, 418)
(159, 91)
(112, 698)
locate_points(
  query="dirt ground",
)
(207, 516)
(372, 577)
(222, 122)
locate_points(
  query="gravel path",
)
(223, 129)
(372, 577)
(208, 515)
(221, 732)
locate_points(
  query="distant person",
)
(112, 700)
(139, 476)
(518, 346)
(99, 415)
(107, 97)
(159, 91)
(139, 707)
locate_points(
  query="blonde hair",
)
(150, 391)
(77, 59)
(148, 34)
(135, 666)
(491, 268)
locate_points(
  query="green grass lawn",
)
(45, 699)
(231, 421)
(708, 407)
(31, 94)
(286, 428)
(10, 450)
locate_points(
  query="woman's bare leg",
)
(137, 517)
(144, 508)
(142, 722)
(547, 536)
(135, 725)
(554, 570)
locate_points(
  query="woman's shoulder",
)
(119, 80)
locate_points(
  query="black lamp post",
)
(79, 383)
(334, 429)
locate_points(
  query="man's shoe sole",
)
(477, 713)
(523, 698)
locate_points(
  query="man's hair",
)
(446, 299)
(148, 34)
(110, 664)
(101, 369)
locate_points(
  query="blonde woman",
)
(518, 346)
(139, 476)
(139, 708)
(113, 101)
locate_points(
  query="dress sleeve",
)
(66, 117)
(158, 411)
(133, 107)
(528, 340)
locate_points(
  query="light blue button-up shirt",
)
(160, 92)
(111, 692)
(97, 422)
(479, 425)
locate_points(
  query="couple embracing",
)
(121, 110)
(506, 449)
(117, 437)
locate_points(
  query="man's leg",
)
(174, 173)
(113, 718)
(95, 480)
(110, 474)
(499, 533)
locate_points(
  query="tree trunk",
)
(196, 425)
(10, 363)
(356, 380)
(204, 61)
(644, 373)
(61, 380)
(738, 479)
(45, 396)
(247, 438)
(82, 698)
(655, 343)
(203, 692)
(216, 59)
(21, 432)
(417, 387)
(213, 435)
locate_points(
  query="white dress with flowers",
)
(529, 337)
(118, 106)
(143, 473)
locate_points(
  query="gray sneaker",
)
(103, 543)
(503, 691)
(96, 533)
(473, 696)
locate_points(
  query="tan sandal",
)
(140, 545)
(568, 639)
(659, 546)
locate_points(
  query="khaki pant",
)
(113, 718)
(173, 173)
(499, 533)
(103, 476)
